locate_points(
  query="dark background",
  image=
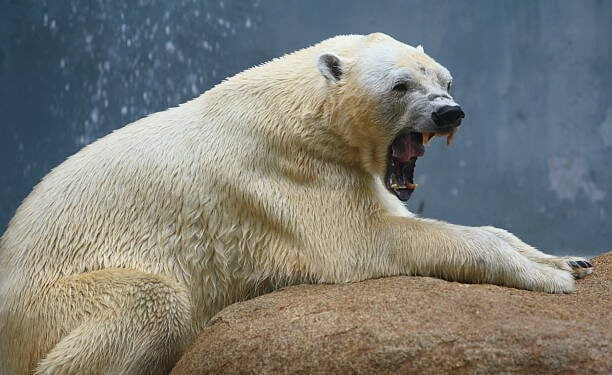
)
(534, 77)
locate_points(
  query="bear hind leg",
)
(128, 322)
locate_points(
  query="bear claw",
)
(579, 264)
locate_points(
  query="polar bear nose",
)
(448, 115)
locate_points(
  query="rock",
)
(401, 325)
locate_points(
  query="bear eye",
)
(449, 86)
(401, 87)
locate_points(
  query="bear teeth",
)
(407, 185)
(427, 136)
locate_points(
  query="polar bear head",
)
(391, 99)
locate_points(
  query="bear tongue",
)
(407, 146)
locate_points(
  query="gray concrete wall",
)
(534, 78)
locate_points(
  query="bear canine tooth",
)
(449, 138)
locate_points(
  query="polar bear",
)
(290, 172)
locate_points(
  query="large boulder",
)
(401, 325)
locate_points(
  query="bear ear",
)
(420, 48)
(330, 66)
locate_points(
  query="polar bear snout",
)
(448, 116)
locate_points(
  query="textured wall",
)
(534, 79)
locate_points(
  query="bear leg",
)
(470, 254)
(127, 322)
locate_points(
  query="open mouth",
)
(405, 149)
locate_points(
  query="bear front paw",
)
(579, 267)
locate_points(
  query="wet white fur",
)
(123, 252)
